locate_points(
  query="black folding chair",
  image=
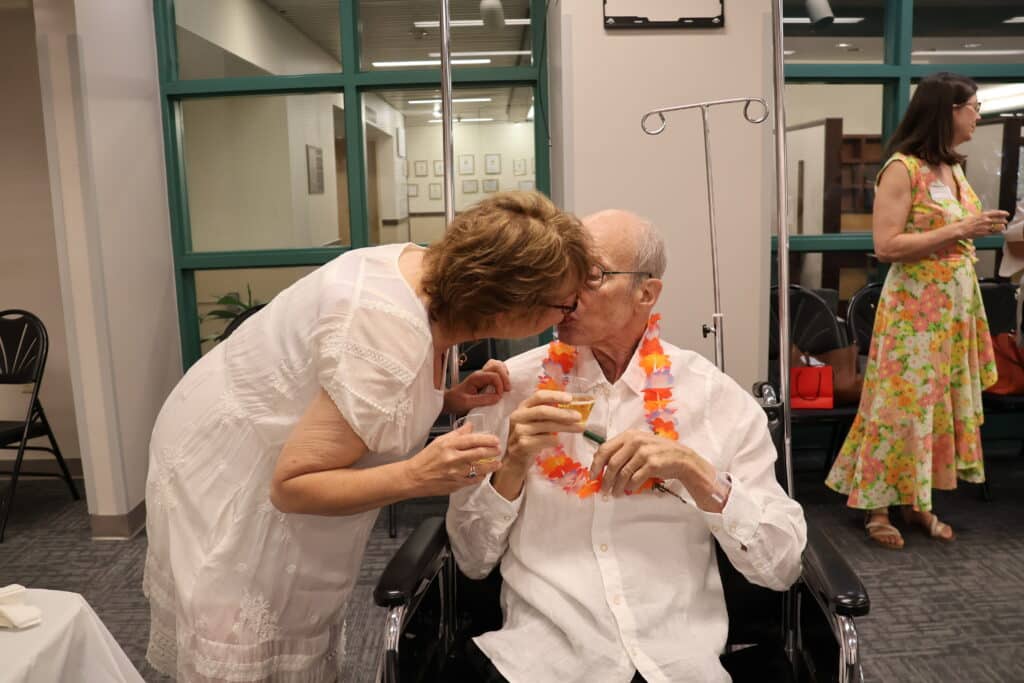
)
(860, 316)
(23, 348)
(813, 328)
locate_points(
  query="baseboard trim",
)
(119, 527)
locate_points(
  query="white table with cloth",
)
(70, 644)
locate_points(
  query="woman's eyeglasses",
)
(976, 106)
(566, 309)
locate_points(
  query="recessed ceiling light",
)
(437, 101)
(486, 53)
(972, 53)
(428, 62)
(464, 23)
(789, 52)
(464, 120)
(837, 20)
(844, 44)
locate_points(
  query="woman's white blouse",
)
(598, 588)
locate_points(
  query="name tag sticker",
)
(940, 193)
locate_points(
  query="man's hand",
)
(635, 456)
(472, 391)
(533, 427)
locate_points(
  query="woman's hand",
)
(472, 392)
(535, 424)
(982, 224)
(449, 461)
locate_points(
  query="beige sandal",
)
(883, 533)
(935, 527)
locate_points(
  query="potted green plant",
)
(231, 306)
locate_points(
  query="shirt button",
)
(508, 517)
(605, 497)
(617, 599)
(604, 547)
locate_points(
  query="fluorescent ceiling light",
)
(486, 53)
(467, 120)
(967, 53)
(837, 20)
(1001, 98)
(789, 52)
(457, 99)
(529, 114)
(1014, 20)
(429, 62)
(462, 23)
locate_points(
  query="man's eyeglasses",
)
(566, 309)
(976, 106)
(597, 278)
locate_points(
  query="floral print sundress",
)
(918, 426)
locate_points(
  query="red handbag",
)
(1009, 364)
(811, 387)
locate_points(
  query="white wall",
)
(601, 158)
(101, 109)
(806, 145)
(858, 105)
(28, 260)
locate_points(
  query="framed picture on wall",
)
(526, 185)
(438, 168)
(435, 190)
(420, 169)
(492, 164)
(466, 164)
(470, 187)
(315, 169)
(490, 185)
(519, 166)
(412, 190)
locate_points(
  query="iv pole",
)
(717, 319)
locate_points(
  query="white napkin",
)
(14, 613)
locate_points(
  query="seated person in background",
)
(607, 578)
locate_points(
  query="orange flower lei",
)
(558, 466)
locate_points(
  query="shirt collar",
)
(588, 368)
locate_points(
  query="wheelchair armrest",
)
(414, 565)
(831, 578)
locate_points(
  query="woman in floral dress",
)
(920, 413)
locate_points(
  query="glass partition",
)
(855, 35)
(406, 35)
(494, 152)
(225, 39)
(266, 171)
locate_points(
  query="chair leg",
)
(393, 520)
(8, 501)
(56, 453)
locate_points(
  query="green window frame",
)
(352, 82)
(895, 74)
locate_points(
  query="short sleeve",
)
(368, 358)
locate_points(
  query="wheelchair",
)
(805, 634)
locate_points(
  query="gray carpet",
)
(939, 612)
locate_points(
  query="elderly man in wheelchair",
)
(637, 480)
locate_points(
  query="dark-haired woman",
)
(270, 459)
(920, 413)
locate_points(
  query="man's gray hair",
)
(650, 250)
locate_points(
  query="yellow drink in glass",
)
(582, 404)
